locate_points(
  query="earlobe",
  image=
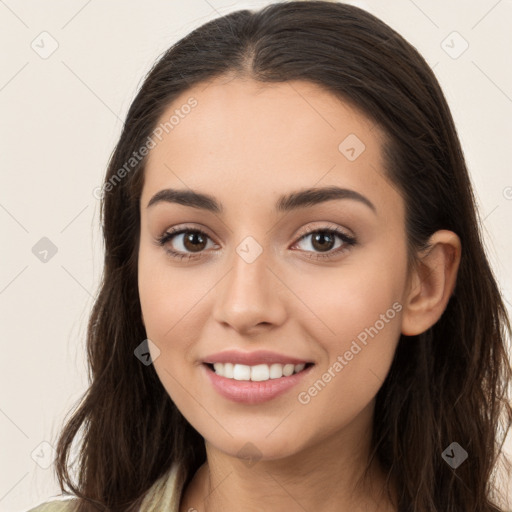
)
(432, 283)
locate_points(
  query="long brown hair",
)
(448, 384)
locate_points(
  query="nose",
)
(251, 295)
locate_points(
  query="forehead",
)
(260, 139)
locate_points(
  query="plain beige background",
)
(62, 113)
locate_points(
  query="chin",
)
(256, 444)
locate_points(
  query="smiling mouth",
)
(256, 373)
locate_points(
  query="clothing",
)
(163, 496)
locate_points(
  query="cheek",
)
(167, 294)
(343, 301)
(357, 322)
(163, 310)
(173, 308)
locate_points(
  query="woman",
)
(297, 312)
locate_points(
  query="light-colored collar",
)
(165, 493)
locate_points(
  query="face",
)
(276, 278)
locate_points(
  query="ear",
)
(432, 283)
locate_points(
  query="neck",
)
(300, 487)
(328, 476)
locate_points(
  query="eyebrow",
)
(295, 200)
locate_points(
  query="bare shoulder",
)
(56, 506)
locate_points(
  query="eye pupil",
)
(191, 238)
(321, 237)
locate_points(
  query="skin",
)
(239, 145)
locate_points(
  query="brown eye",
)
(188, 243)
(324, 241)
(194, 241)
(183, 243)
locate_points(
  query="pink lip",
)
(249, 392)
(252, 358)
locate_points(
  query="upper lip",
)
(252, 358)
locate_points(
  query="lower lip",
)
(249, 392)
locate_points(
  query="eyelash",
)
(168, 235)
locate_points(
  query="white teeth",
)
(260, 372)
(276, 371)
(228, 370)
(257, 373)
(288, 369)
(242, 372)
